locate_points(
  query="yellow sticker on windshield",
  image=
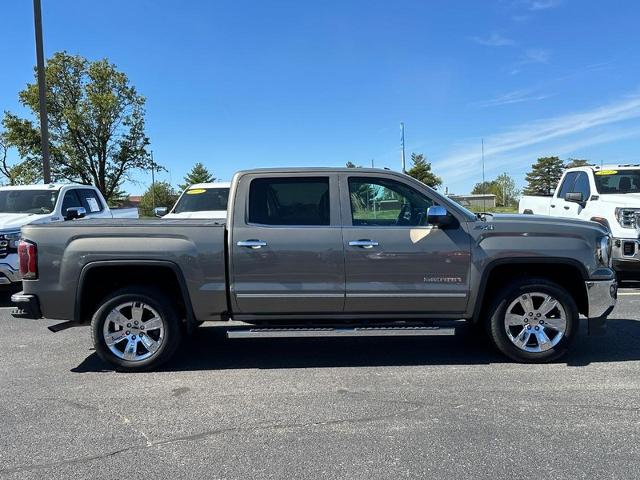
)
(196, 191)
(606, 172)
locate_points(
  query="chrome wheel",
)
(535, 322)
(133, 331)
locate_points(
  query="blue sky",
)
(243, 84)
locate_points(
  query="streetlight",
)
(44, 127)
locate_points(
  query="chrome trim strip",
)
(339, 332)
(406, 295)
(290, 295)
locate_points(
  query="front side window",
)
(289, 201)
(567, 184)
(203, 199)
(582, 185)
(381, 202)
(70, 200)
(28, 201)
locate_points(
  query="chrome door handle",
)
(553, 206)
(255, 244)
(566, 207)
(363, 243)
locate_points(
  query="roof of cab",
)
(210, 185)
(43, 186)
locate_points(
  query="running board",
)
(272, 332)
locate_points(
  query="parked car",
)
(310, 253)
(201, 200)
(38, 204)
(609, 195)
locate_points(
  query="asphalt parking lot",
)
(364, 408)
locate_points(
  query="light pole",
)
(44, 127)
(153, 183)
(404, 169)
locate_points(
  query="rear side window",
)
(289, 201)
(567, 184)
(90, 201)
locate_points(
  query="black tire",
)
(496, 322)
(165, 309)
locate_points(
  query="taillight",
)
(28, 255)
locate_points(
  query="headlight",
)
(628, 217)
(12, 238)
(603, 251)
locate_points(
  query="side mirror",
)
(576, 197)
(438, 216)
(75, 212)
(160, 211)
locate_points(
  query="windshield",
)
(203, 199)
(28, 201)
(617, 181)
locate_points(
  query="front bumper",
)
(601, 297)
(625, 253)
(9, 270)
(27, 306)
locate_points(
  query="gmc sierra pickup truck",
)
(321, 252)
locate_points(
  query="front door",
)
(286, 246)
(394, 262)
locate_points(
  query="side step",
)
(273, 332)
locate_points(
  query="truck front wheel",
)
(136, 329)
(533, 321)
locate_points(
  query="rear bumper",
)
(27, 306)
(602, 296)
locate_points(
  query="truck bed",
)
(195, 247)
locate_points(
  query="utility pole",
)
(44, 127)
(153, 183)
(484, 185)
(404, 169)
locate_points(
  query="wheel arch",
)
(115, 274)
(566, 272)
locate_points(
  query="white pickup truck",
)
(36, 204)
(609, 195)
(200, 200)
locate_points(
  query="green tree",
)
(577, 162)
(350, 164)
(421, 170)
(96, 120)
(198, 174)
(544, 176)
(486, 187)
(163, 194)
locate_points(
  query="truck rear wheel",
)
(136, 329)
(533, 321)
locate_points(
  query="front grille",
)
(629, 218)
(4, 247)
(629, 248)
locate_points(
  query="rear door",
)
(286, 245)
(394, 262)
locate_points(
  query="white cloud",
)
(557, 135)
(516, 96)
(494, 40)
(535, 5)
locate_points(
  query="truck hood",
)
(208, 214)
(13, 221)
(543, 222)
(631, 200)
